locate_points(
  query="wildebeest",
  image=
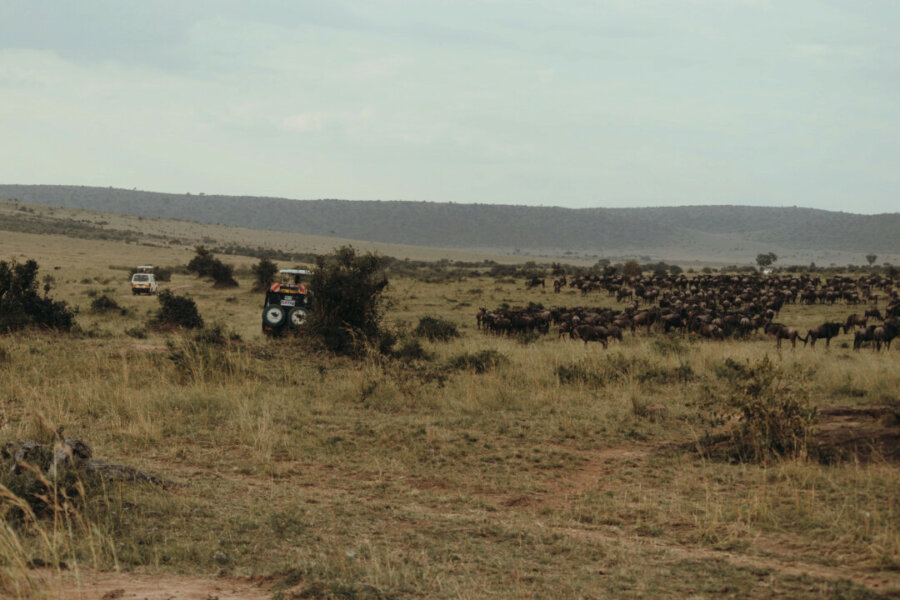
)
(591, 333)
(534, 282)
(825, 330)
(863, 335)
(783, 332)
(885, 333)
(853, 321)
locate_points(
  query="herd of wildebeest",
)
(715, 307)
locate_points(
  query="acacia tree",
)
(871, 258)
(766, 260)
(631, 268)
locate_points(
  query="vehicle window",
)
(141, 277)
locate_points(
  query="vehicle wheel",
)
(298, 317)
(274, 316)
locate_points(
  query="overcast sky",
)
(566, 103)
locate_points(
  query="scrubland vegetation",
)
(448, 463)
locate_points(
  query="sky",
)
(570, 103)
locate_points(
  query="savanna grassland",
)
(478, 467)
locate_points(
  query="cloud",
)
(305, 122)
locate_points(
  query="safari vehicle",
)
(144, 281)
(288, 303)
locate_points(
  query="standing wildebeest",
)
(853, 321)
(591, 333)
(825, 330)
(783, 332)
(534, 282)
(885, 333)
(863, 335)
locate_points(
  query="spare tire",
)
(274, 315)
(298, 317)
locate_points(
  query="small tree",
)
(347, 291)
(263, 273)
(766, 260)
(204, 264)
(871, 258)
(22, 306)
(631, 268)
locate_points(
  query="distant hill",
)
(726, 232)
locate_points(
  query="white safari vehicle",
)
(144, 281)
(288, 303)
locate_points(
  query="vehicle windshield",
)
(141, 277)
(293, 278)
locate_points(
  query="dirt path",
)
(92, 585)
(602, 462)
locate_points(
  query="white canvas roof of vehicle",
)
(145, 268)
(295, 272)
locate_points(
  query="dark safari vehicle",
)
(288, 302)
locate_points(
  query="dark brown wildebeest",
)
(825, 331)
(853, 321)
(591, 333)
(534, 282)
(783, 332)
(559, 284)
(874, 313)
(885, 333)
(863, 335)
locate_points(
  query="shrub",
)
(579, 373)
(435, 328)
(22, 306)
(411, 349)
(104, 303)
(263, 273)
(775, 416)
(204, 264)
(480, 362)
(138, 333)
(176, 311)
(347, 291)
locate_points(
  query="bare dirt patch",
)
(93, 585)
(865, 433)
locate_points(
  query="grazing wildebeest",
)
(783, 332)
(853, 321)
(825, 330)
(874, 313)
(534, 282)
(591, 333)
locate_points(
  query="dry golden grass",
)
(381, 478)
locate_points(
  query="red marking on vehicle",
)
(275, 287)
(302, 288)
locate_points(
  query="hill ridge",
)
(504, 227)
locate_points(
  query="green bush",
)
(263, 273)
(103, 304)
(347, 291)
(774, 411)
(435, 328)
(176, 311)
(22, 306)
(204, 264)
(480, 362)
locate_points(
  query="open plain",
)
(485, 466)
